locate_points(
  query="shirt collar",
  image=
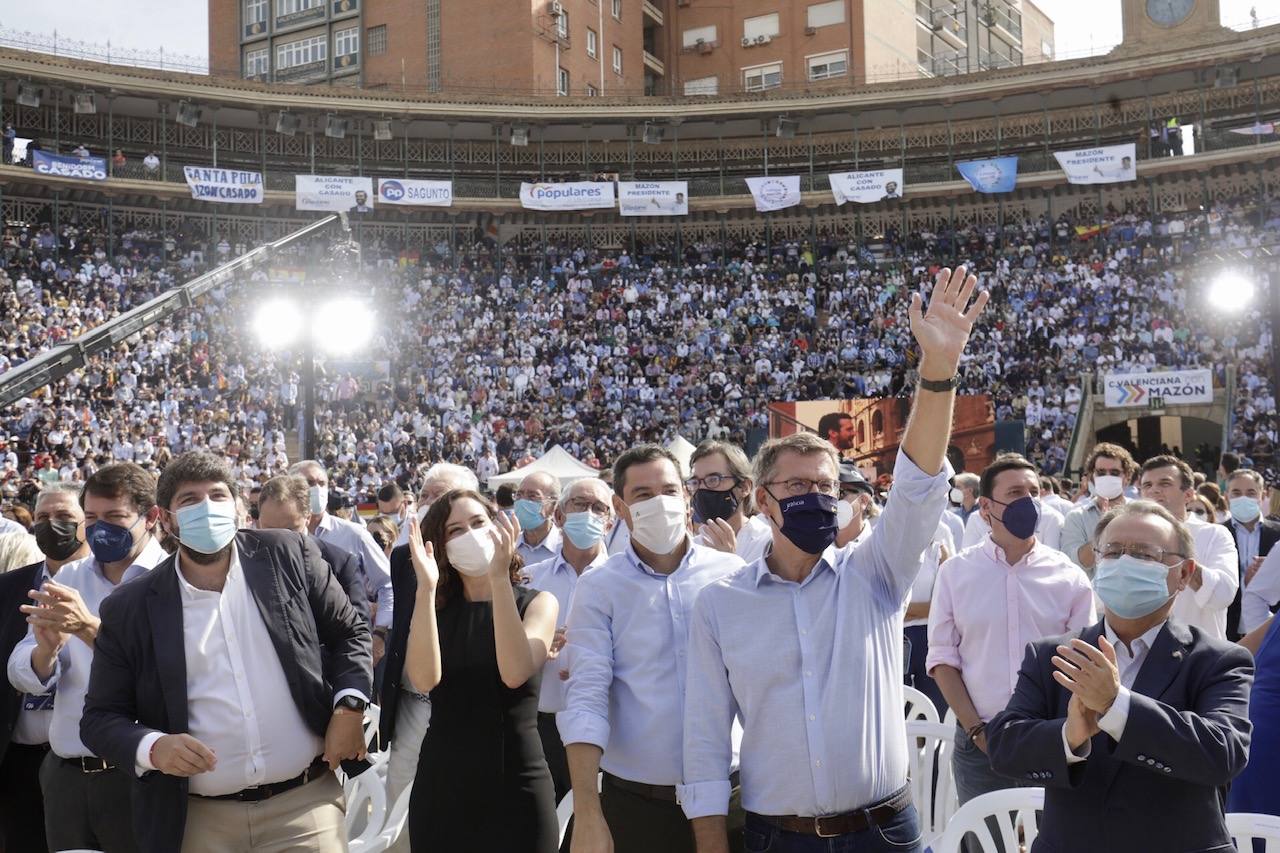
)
(1145, 642)
(562, 564)
(191, 592)
(634, 559)
(148, 558)
(995, 552)
(828, 558)
(327, 522)
(552, 542)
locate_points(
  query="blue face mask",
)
(1245, 510)
(584, 529)
(207, 527)
(110, 543)
(529, 514)
(809, 521)
(1131, 588)
(1021, 517)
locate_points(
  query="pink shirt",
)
(985, 611)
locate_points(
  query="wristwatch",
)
(940, 385)
(351, 703)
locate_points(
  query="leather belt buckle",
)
(817, 829)
(93, 764)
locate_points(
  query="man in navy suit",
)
(1137, 725)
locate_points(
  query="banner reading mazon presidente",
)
(574, 195)
(334, 193)
(407, 191)
(1173, 386)
(1109, 164)
(91, 168)
(866, 187)
(230, 186)
(653, 198)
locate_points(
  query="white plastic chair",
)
(930, 746)
(919, 706)
(1246, 828)
(366, 797)
(372, 718)
(1010, 809)
(950, 719)
(396, 820)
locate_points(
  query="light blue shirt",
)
(545, 550)
(628, 634)
(814, 670)
(374, 565)
(560, 579)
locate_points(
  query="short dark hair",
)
(432, 530)
(1230, 462)
(123, 479)
(194, 466)
(505, 496)
(390, 492)
(639, 455)
(287, 489)
(1166, 461)
(1002, 463)
(830, 422)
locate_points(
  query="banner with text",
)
(653, 198)
(90, 168)
(1174, 386)
(407, 191)
(775, 193)
(334, 193)
(866, 187)
(229, 186)
(997, 175)
(1109, 164)
(575, 195)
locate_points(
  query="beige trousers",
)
(308, 819)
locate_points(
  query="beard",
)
(204, 559)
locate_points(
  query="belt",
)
(90, 764)
(258, 793)
(830, 826)
(663, 793)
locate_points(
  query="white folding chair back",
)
(950, 719)
(933, 789)
(372, 718)
(1011, 810)
(919, 706)
(366, 797)
(1246, 828)
(396, 820)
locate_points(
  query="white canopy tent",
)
(682, 450)
(557, 462)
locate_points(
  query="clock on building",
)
(1151, 25)
(1170, 13)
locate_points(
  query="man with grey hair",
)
(536, 499)
(583, 515)
(440, 478)
(1134, 726)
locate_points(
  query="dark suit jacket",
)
(1163, 785)
(404, 589)
(1269, 536)
(138, 683)
(13, 627)
(346, 567)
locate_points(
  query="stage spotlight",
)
(84, 104)
(287, 124)
(342, 326)
(188, 114)
(652, 134)
(382, 129)
(334, 127)
(28, 95)
(520, 135)
(787, 128)
(277, 323)
(1231, 291)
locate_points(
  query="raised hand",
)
(943, 330)
(719, 535)
(504, 531)
(1091, 674)
(423, 555)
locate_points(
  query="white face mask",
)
(319, 497)
(957, 496)
(422, 512)
(844, 515)
(472, 552)
(1107, 487)
(658, 523)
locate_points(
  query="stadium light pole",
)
(340, 326)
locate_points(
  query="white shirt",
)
(560, 579)
(238, 699)
(10, 526)
(752, 539)
(353, 537)
(1216, 555)
(1048, 530)
(70, 674)
(36, 711)
(545, 550)
(1129, 662)
(1261, 594)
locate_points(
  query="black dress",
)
(482, 784)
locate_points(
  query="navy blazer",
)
(404, 587)
(346, 568)
(138, 683)
(1266, 541)
(1163, 786)
(14, 587)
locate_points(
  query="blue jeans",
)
(900, 834)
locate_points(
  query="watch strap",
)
(940, 385)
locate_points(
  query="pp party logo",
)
(390, 190)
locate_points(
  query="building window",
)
(591, 43)
(592, 91)
(762, 77)
(762, 25)
(826, 14)
(1046, 50)
(257, 62)
(346, 47)
(292, 7)
(255, 17)
(617, 10)
(699, 35)
(828, 65)
(562, 82)
(302, 52)
(617, 60)
(376, 40)
(562, 25)
(702, 86)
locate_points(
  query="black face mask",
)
(56, 539)
(708, 505)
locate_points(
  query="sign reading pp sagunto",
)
(1174, 386)
(407, 191)
(334, 193)
(230, 186)
(90, 168)
(573, 195)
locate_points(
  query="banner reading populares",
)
(653, 198)
(91, 168)
(574, 195)
(1174, 386)
(230, 186)
(334, 193)
(407, 191)
(1107, 164)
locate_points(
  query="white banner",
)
(229, 186)
(1174, 386)
(335, 193)
(575, 195)
(775, 193)
(867, 187)
(653, 198)
(1110, 164)
(413, 192)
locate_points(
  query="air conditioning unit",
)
(555, 7)
(763, 39)
(704, 46)
(809, 31)
(746, 41)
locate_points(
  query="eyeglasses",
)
(1146, 553)
(584, 505)
(798, 486)
(530, 496)
(711, 481)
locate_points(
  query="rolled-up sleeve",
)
(944, 638)
(905, 528)
(589, 637)
(23, 676)
(1219, 571)
(1075, 535)
(709, 711)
